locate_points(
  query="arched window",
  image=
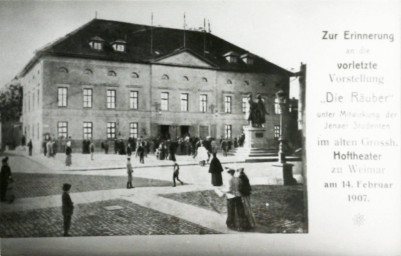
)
(246, 82)
(63, 70)
(111, 73)
(165, 77)
(134, 75)
(204, 79)
(88, 72)
(229, 81)
(185, 78)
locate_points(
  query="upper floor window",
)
(88, 94)
(204, 79)
(96, 43)
(277, 108)
(229, 81)
(133, 130)
(247, 58)
(231, 57)
(165, 77)
(111, 98)
(185, 78)
(164, 101)
(133, 100)
(62, 96)
(203, 103)
(111, 73)
(119, 45)
(184, 101)
(246, 82)
(227, 104)
(134, 75)
(276, 131)
(88, 72)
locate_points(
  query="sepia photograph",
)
(123, 127)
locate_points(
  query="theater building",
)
(111, 79)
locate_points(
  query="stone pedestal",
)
(255, 137)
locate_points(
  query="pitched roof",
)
(166, 41)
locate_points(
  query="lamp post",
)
(282, 102)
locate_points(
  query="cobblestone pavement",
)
(94, 220)
(283, 214)
(32, 185)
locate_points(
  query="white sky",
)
(283, 32)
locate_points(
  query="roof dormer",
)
(96, 43)
(231, 57)
(119, 45)
(248, 58)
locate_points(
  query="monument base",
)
(255, 137)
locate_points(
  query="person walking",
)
(130, 171)
(5, 176)
(216, 169)
(176, 174)
(92, 149)
(68, 152)
(202, 155)
(67, 208)
(141, 153)
(30, 146)
(129, 150)
(245, 189)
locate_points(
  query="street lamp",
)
(281, 97)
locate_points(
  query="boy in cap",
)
(129, 172)
(67, 208)
(5, 176)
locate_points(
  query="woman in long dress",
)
(202, 155)
(245, 189)
(216, 169)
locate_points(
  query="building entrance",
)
(184, 130)
(165, 132)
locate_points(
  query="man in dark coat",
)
(30, 146)
(216, 169)
(67, 208)
(4, 178)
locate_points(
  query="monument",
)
(255, 132)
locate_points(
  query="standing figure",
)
(44, 146)
(130, 171)
(250, 114)
(141, 153)
(245, 190)
(92, 148)
(4, 178)
(216, 169)
(67, 208)
(176, 174)
(202, 155)
(49, 148)
(261, 111)
(68, 152)
(171, 149)
(224, 147)
(30, 146)
(236, 218)
(54, 147)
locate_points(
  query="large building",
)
(111, 79)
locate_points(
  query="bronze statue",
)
(256, 112)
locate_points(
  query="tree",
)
(11, 101)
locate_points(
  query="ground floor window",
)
(62, 130)
(133, 130)
(88, 128)
(277, 131)
(111, 130)
(227, 131)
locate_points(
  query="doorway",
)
(184, 130)
(165, 132)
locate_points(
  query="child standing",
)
(129, 172)
(176, 173)
(67, 208)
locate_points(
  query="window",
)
(88, 72)
(203, 103)
(97, 45)
(88, 97)
(111, 73)
(165, 77)
(227, 104)
(88, 128)
(134, 75)
(119, 47)
(63, 70)
(38, 97)
(185, 78)
(227, 131)
(246, 82)
(277, 131)
(164, 101)
(133, 100)
(229, 81)
(244, 104)
(111, 98)
(62, 129)
(204, 79)
(111, 130)
(62, 96)
(184, 101)
(133, 130)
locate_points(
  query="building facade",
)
(109, 80)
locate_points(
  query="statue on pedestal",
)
(256, 112)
